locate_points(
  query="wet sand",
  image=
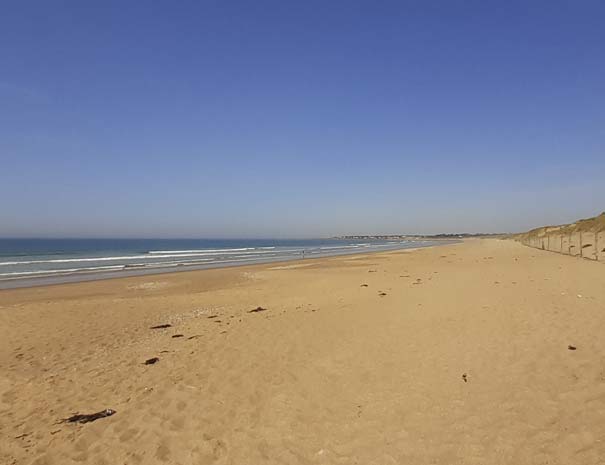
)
(485, 352)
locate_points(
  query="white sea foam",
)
(67, 271)
(96, 269)
(155, 254)
(127, 257)
(267, 255)
(18, 274)
(41, 273)
(198, 250)
(235, 260)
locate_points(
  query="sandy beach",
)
(483, 352)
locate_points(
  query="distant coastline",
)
(416, 237)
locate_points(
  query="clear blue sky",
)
(298, 119)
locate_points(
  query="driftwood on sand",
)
(88, 417)
(257, 309)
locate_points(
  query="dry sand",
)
(465, 360)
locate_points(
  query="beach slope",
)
(484, 352)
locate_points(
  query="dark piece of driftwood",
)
(88, 417)
(167, 325)
(257, 309)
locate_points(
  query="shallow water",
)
(25, 262)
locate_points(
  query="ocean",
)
(27, 262)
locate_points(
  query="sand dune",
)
(584, 238)
(450, 355)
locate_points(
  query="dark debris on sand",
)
(257, 309)
(88, 417)
(167, 325)
(152, 361)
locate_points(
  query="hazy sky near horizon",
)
(299, 119)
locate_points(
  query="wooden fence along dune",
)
(584, 238)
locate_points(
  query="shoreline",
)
(22, 283)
